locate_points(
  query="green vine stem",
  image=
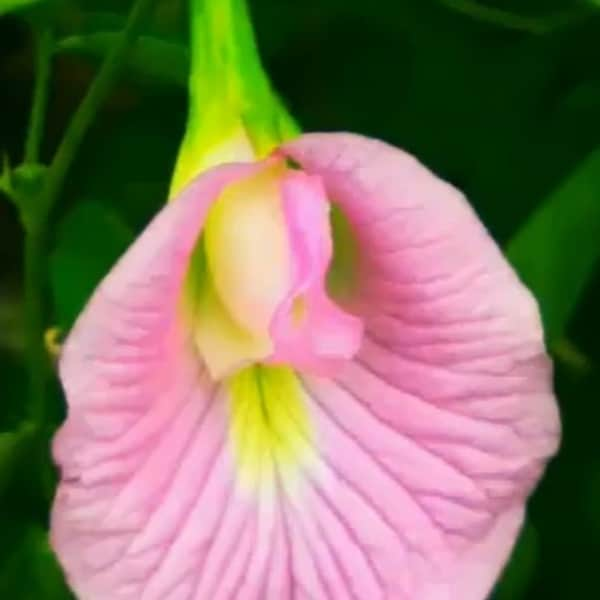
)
(35, 234)
(232, 104)
(509, 20)
(34, 323)
(83, 117)
(44, 50)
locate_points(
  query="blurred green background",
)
(502, 98)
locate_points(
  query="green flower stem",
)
(35, 264)
(223, 52)
(44, 49)
(230, 96)
(37, 358)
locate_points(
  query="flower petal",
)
(230, 294)
(245, 233)
(143, 440)
(402, 476)
(444, 421)
(308, 329)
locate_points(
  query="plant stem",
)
(44, 49)
(95, 96)
(233, 109)
(34, 263)
(35, 234)
(34, 323)
(510, 20)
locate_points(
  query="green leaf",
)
(11, 446)
(90, 240)
(31, 569)
(521, 567)
(585, 96)
(7, 6)
(95, 21)
(6, 176)
(151, 58)
(555, 252)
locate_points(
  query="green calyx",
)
(234, 113)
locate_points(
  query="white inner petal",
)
(247, 250)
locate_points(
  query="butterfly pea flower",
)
(311, 376)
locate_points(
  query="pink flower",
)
(252, 419)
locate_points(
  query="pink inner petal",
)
(309, 331)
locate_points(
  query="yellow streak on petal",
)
(299, 311)
(270, 428)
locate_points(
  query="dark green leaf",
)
(95, 21)
(12, 369)
(31, 570)
(584, 96)
(27, 478)
(90, 240)
(7, 6)
(151, 58)
(517, 574)
(557, 249)
(11, 445)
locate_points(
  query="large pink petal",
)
(144, 470)
(424, 449)
(439, 429)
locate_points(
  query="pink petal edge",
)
(449, 404)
